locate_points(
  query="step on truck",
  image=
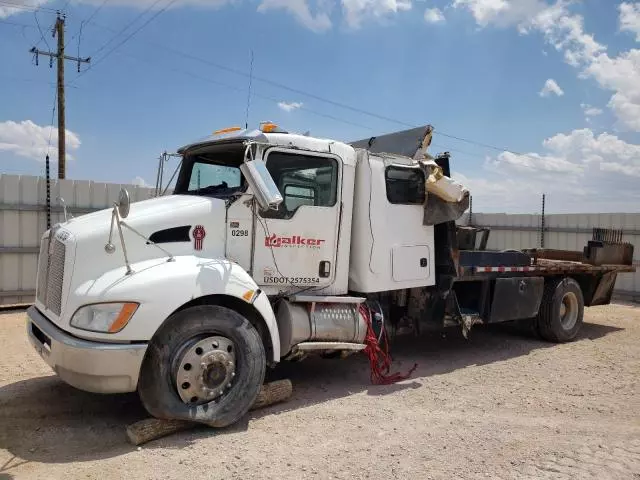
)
(274, 246)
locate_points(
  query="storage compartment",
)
(410, 263)
(516, 298)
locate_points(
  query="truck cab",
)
(271, 247)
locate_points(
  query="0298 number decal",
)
(239, 233)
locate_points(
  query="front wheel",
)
(561, 311)
(205, 364)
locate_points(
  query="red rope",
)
(379, 358)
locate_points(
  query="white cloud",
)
(621, 75)
(630, 18)
(355, 11)
(289, 107)
(26, 139)
(313, 14)
(300, 9)
(590, 111)
(433, 15)
(564, 31)
(6, 11)
(536, 163)
(580, 170)
(501, 13)
(550, 86)
(140, 182)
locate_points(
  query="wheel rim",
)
(569, 310)
(204, 369)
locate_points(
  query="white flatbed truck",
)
(274, 246)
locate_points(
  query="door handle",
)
(325, 269)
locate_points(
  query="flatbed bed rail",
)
(549, 266)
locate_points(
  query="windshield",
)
(214, 179)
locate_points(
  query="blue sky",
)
(556, 81)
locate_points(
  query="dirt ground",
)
(499, 405)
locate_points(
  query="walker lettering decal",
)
(295, 241)
(198, 236)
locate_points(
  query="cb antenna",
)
(246, 118)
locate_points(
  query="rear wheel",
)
(561, 311)
(205, 364)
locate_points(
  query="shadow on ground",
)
(45, 420)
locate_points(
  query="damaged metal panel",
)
(438, 211)
(405, 143)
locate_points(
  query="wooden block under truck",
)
(274, 246)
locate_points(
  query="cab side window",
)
(405, 185)
(302, 180)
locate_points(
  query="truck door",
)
(296, 244)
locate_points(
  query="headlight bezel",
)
(121, 315)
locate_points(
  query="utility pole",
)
(60, 57)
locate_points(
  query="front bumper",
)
(91, 366)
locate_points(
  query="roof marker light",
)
(268, 127)
(227, 130)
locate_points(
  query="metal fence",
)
(564, 232)
(23, 220)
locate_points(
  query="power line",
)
(128, 25)
(87, 20)
(322, 99)
(483, 145)
(239, 89)
(309, 94)
(95, 12)
(35, 15)
(126, 39)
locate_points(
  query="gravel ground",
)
(499, 405)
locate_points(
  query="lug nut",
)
(233, 374)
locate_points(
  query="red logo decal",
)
(293, 241)
(198, 235)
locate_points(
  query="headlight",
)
(104, 317)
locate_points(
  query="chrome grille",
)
(43, 270)
(55, 277)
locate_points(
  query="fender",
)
(161, 287)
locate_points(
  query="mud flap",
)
(604, 290)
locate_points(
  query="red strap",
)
(379, 358)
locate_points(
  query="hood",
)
(180, 224)
(168, 221)
(142, 213)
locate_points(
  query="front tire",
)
(205, 364)
(561, 310)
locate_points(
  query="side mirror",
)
(124, 203)
(259, 179)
